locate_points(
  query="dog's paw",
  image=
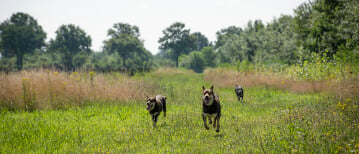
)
(206, 127)
(217, 130)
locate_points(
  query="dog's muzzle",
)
(208, 100)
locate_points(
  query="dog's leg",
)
(217, 118)
(214, 122)
(156, 116)
(205, 121)
(154, 119)
(209, 120)
(164, 108)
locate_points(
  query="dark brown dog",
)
(211, 108)
(155, 105)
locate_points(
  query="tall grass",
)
(268, 121)
(228, 78)
(44, 89)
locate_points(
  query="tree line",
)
(323, 27)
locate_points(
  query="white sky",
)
(152, 17)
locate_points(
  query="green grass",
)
(268, 120)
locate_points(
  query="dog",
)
(239, 92)
(155, 105)
(211, 108)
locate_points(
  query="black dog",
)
(239, 92)
(211, 108)
(155, 105)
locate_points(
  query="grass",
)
(268, 121)
(41, 89)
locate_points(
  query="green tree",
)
(227, 33)
(317, 26)
(71, 42)
(21, 35)
(209, 56)
(201, 41)
(194, 61)
(177, 39)
(124, 40)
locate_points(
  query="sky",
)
(95, 17)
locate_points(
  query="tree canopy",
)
(21, 35)
(177, 39)
(73, 44)
(124, 40)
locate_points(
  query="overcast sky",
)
(152, 17)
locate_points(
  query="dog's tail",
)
(164, 106)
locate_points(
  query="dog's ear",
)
(203, 88)
(212, 88)
(236, 85)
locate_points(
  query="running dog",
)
(239, 92)
(155, 105)
(211, 108)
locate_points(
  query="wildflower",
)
(357, 145)
(75, 73)
(55, 73)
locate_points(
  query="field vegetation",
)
(92, 118)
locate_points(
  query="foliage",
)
(200, 40)
(323, 68)
(124, 40)
(178, 40)
(194, 60)
(257, 43)
(105, 61)
(20, 35)
(73, 44)
(325, 26)
(199, 60)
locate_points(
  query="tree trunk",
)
(124, 63)
(176, 59)
(19, 59)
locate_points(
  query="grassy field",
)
(270, 120)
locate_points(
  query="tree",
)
(124, 39)
(194, 60)
(209, 56)
(227, 33)
(70, 42)
(317, 26)
(21, 35)
(201, 41)
(177, 39)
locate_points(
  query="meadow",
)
(88, 112)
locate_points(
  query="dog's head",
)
(238, 88)
(208, 96)
(151, 102)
